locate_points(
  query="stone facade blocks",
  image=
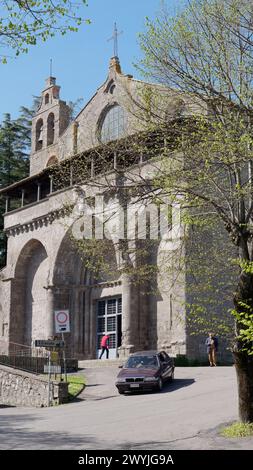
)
(18, 388)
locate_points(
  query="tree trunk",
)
(244, 371)
(244, 361)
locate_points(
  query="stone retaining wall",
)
(19, 388)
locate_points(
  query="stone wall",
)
(19, 388)
(209, 293)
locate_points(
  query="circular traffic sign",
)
(62, 317)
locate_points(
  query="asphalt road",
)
(185, 415)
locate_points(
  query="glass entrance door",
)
(109, 313)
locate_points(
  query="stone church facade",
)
(44, 270)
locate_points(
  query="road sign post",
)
(64, 361)
(62, 326)
(61, 318)
(53, 369)
(49, 343)
(49, 376)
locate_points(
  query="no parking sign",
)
(61, 318)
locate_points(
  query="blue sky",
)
(80, 60)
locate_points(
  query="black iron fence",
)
(30, 359)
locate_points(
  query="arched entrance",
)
(29, 316)
(92, 295)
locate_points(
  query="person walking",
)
(104, 346)
(211, 348)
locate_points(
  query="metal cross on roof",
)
(115, 40)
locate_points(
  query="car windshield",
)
(136, 362)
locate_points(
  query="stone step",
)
(90, 363)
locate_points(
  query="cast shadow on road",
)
(16, 432)
(176, 384)
(7, 406)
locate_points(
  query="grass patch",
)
(238, 430)
(76, 385)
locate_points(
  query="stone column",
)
(50, 332)
(22, 197)
(38, 191)
(74, 136)
(7, 204)
(51, 184)
(143, 323)
(76, 314)
(128, 316)
(87, 323)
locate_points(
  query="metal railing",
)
(20, 356)
(30, 359)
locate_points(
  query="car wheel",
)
(121, 392)
(160, 384)
(171, 378)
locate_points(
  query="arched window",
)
(114, 124)
(50, 129)
(110, 84)
(112, 88)
(39, 135)
(47, 98)
(52, 161)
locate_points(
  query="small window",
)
(50, 129)
(39, 135)
(47, 98)
(109, 87)
(112, 88)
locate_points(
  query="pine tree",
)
(14, 163)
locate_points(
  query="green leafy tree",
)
(205, 54)
(24, 23)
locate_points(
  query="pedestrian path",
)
(94, 363)
(100, 383)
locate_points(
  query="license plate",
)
(134, 385)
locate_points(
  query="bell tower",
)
(50, 121)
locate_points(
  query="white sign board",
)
(52, 369)
(61, 318)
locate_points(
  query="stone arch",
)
(75, 288)
(39, 134)
(1, 320)
(28, 320)
(53, 160)
(50, 129)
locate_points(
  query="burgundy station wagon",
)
(145, 370)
